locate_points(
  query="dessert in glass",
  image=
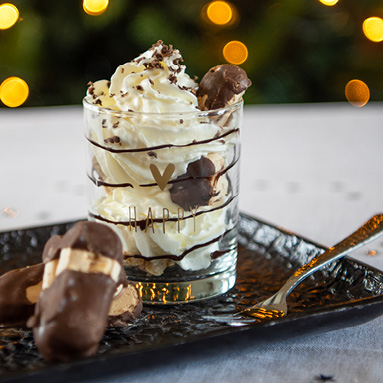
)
(163, 172)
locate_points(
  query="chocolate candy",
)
(19, 291)
(201, 185)
(126, 305)
(221, 86)
(71, 315)
(83, 269)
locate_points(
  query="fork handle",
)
(371, 230)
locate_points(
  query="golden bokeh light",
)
(373, 29)
(219, 12)
(95, 7)
(13, 92)
(235, 52)
(357, 93)
(329, 3)
(9, 14)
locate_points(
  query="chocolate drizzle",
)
(214, 255)
(100, 183)
(165, 146)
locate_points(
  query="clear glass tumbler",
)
(168, 184)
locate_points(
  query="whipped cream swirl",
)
(154, 82)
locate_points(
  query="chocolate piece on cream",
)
(221, 86)
(19, 291)
(199, 186)
(72, 311)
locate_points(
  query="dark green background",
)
(299, 50)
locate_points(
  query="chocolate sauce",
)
(165, 146)
(214, 255)
(100, 183)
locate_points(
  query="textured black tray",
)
(346, 293)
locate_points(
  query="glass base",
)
(177, 292)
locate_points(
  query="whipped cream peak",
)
(154, 82)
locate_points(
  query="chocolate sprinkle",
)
(153, 65)
(172, 79)
(112, 140)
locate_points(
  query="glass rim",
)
(218, 111)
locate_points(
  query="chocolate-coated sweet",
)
(198, 186)
(86, 235)
(19, 291)
(71, 314)
(221, 86)
(126, 306)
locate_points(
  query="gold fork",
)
(276, 306)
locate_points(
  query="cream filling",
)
(83, 261)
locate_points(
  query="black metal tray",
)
(346, 293)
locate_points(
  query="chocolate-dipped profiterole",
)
(82, 271)
(221, 86)
(19, 291)
(202, 184)
(126, 305)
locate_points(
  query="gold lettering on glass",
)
(180, 217)
(193, 213)
(134, 219)
(149, 218)
(165, 217)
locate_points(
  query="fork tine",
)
(263, 313)
(231, 320)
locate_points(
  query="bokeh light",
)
(329, 3)
(235, 52)
(95, 7)
(13, 92)
(357, 93)
(9, 14)
(373, 29)
(219, 12)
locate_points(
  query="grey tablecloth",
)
(350, 355)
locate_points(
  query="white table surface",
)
(316, 170)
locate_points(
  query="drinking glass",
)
(168, 184)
